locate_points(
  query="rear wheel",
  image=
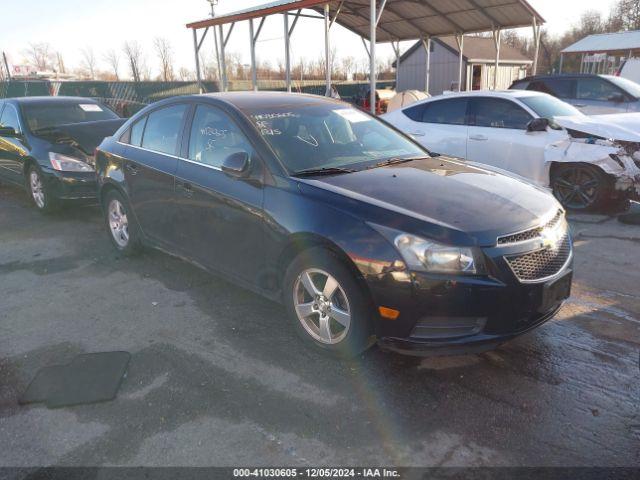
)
(122, 227)
(580, 187)
(39, 192)
(327, 305)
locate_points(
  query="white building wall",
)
(444, 72)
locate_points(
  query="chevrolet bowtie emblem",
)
(550, 238)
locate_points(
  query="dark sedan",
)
(47, 145)
(358, 230)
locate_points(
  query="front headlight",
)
(424, 255)
(429, 256)
(65, 163)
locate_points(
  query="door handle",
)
(479, 138)
(417, 134)
(132, 168)
(579, 105)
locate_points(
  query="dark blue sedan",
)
(360, 232)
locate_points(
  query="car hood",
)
(619, 126)
(440, 198)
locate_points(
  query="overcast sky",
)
(69, 25)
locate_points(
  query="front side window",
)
(10, 118)
(500, 113)
(163, 128)
(48, 114)
(450, 112)
(214, 136)
(317, 135)
(595, 89)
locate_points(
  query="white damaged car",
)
(586, 161)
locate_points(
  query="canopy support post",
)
(460, 42)
(196, 51)
(426, 44)
(327, 53)
(396, 50)
(372, 56)
(581, 63)
(287, 53)
(497, 34)
(223, 63)
(536, 45)
(254, 73)
(561, 62)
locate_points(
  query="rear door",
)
(221, 218)
(150, 167)
(13, 150)
(598, 96)
(498, 136)
(440, 125)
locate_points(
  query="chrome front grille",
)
(530, 234)
(541, 264)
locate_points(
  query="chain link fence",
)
(128, 97)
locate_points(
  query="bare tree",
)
(89, 62)
(113, 60)
(40, 56)
(348, 66)
(133, 52)
(165, 55)
(185, 74)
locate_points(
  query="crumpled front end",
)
(619, 159)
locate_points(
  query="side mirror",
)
(616, 97)
(237, 165)
(8, 132)
(538, 125)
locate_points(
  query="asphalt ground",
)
(218, 377)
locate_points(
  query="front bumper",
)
(442, 315)
(71, 185)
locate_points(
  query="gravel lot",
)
(218, 378)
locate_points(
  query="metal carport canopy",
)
(387, 21)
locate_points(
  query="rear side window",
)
(214, 136)
(10, 118)
(558, 87)
(595, 89)
(450, 112)
(136, 132)
(499, 113)
(163, 128)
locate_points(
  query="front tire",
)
(581, 187)
(121, 225)
(328, 307)
(39, 192)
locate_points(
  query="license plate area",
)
(553, 293)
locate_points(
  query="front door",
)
(221, 219)
(498, 137)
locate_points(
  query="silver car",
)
(592, 94)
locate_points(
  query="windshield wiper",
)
(323, 171)
(396, 161)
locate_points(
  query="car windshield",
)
(53, 114)
(547, 106)
(330, 136)
(627, 85)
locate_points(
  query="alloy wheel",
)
(577, 188)
(322, 306)
(37, 189)
(118, 223)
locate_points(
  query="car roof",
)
(508, 94)
(563, 75)
(46, 99)
(256, 100)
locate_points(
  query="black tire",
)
(131, 245)
(358, 336)
(581, 186)
(38, 191)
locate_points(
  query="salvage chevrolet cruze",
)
(359, 231)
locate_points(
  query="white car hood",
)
(620, 126)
